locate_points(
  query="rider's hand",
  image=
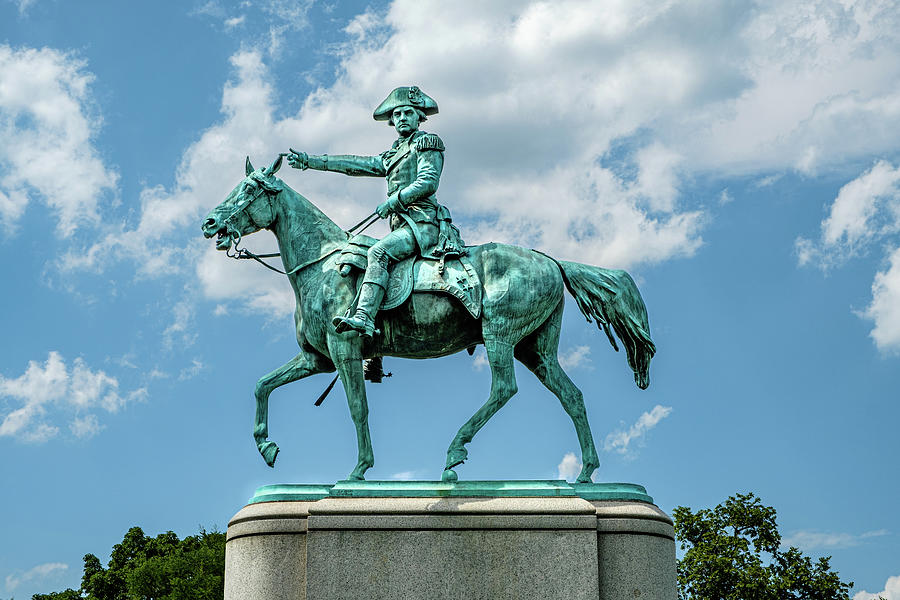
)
(298, 160)
(384, 209)
(392, 204)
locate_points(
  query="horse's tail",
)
(612, 298)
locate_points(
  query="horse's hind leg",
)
(539, 353)
(503, 387)
(302, 365)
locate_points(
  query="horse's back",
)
(521, 290)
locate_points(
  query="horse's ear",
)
(248, 166)
(273, 168)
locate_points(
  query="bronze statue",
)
(412, 166)
(448, 299)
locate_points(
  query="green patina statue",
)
(419, 292)
(418, 222)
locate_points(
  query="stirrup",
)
(364, 325)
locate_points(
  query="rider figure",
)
(412, 167)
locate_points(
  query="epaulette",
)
(429, 141)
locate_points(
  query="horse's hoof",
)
(359, 473)
(585, 475)
(456, 456)
(449, 476)
(269, 451)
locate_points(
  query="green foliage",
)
(733, 553)
(68, 594)
(154, 568)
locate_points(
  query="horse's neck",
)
(303, 231)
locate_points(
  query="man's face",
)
(406, 120)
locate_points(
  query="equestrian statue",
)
(420, 292)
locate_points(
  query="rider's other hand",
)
(392, 204)
(298, 160)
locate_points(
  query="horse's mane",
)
(322, 221)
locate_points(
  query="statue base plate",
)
(464, 540)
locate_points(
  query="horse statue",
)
(521, 316)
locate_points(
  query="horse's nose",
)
(209, 227)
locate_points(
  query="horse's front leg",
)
(302, 365)
(346, 353)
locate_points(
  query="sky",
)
(739, 159)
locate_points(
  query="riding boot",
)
(363, 321)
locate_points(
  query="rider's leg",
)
(395, 246)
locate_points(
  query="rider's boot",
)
(363, 321)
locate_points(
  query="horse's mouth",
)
(223, 241)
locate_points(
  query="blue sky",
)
(740, 160)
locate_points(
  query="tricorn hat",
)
(405, 96)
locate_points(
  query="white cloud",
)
(575, 357)
(824, 89)
(807, 252)
(865, 214)
(284, 16)
(816, 540)
(192, 371)
(569, 467)
(768, 180)
(479, 361)
(271, 20)
(853, 215)
(157, 373)
(24, 5)
(885, 307)
(51, 391)
(404, 476)
(619, 441)
(180, 329)
(38, 572)
(85, 427)
(47, 124)
(891, 591)
(234, 21)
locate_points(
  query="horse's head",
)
(247, 209)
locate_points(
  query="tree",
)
(68, 594)
(733, 553)
(154, 568)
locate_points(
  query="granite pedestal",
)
(464, 540)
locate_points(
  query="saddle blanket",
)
(454, 276)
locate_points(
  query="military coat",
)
(412, 167)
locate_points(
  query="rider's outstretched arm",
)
(348, 164)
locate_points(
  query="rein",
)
(243, 253)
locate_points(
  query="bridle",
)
(234, 235)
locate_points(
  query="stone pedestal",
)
(465, 540)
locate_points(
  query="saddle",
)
(452, 275)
